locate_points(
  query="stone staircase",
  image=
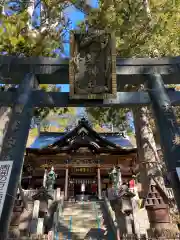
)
(84, 220)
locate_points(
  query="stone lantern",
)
(125, 199)
(157, 208)
(126, 208)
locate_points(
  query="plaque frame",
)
(112, 83)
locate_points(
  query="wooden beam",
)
(58, 99)
(56, 70)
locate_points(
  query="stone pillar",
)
(58, 194)
(25, 220)
(35, 215)
(128, 221)
(99, 182)
(66, 184)
(49, 203)
(168, 129)
(40, 226)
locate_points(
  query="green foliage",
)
(114, 115)
(61, 122)
(19, 36)
(17, 39)
(137, 33)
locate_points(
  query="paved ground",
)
(85, 221)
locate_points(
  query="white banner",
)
(5, 172)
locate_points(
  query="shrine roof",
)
(81, 136)
(47, 138)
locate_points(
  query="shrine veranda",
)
(30, 72)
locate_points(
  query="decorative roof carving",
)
(84, 136)
(84, 132)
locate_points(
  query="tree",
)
(24, 35)
(114, 115)
(60, 120)
(137, 34)
(21, 34)
(141, 30)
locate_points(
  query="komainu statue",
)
(50, 179)
(115, 175)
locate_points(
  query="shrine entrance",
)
(79, 176)
(105, 89)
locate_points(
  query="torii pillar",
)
(12, 153)
(168, 129)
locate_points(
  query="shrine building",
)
(78, 156)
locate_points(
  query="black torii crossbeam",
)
(42, 99)
(56, 71)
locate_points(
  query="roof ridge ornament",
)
(84, 120)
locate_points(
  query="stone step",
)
(84, 235)
(77, 223)
(81, 228)
(89, 204)
(84, 221)
(82, 216)
(80, 221)
(74, 219)
(80, 210)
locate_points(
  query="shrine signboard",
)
(92, 67)
(83, 170)
(5, 172)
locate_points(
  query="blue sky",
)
(75, 16)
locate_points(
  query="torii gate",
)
(30, 72)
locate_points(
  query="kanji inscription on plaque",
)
(92, 67)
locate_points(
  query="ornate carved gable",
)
(82, 136)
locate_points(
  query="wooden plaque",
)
(92, 67)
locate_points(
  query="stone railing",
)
(35, 237)
(112, 217)
(58, 214)
(30, 193)
(30, 220)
